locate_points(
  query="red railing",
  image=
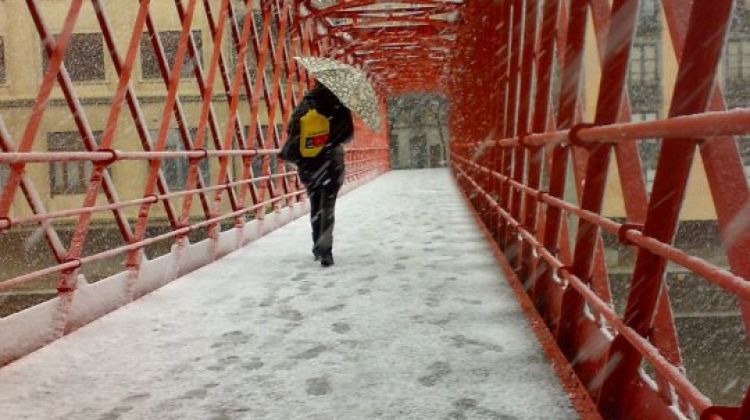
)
(501, 159)
(250, 77)
(511, 152)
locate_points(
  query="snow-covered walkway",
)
(413, 322)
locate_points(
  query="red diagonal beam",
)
(174, 80)
(611, 89)
(343, 5)
(40, 104)
(67, 283)
(572, 57)
(519, 163)
(630, 172)
(240, 75)
(693, 89)
(539, 121)
(724, 172)
(396, 11)
(206, 88)
(32, 197)
(511, 109)
(79, 116)
(392, 22)
(272, 103)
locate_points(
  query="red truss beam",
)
(396, 44)
(394, 12)
(360, 4)
(425, 28)
(405, 33)
(378, 24)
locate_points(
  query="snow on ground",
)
(413, 322)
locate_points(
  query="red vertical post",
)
(511, 108)
(546, 45)
(499, 54)
(487, 56)
(519, 153)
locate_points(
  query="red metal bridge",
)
(513, 138)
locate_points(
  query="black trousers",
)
(322, 216)
(323, 187)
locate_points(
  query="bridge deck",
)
(413, 322)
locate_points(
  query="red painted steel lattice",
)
(494, 60)
(244, 38)
(500, 159)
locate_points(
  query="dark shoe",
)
(326, 260)
(316, 255)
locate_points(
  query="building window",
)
(176, 169)
(2, 60)
(649, 8)
(278, 130)
(269, 144)
(644, 116)
(738, 59)
(744, 147)
(273, 25)
(743, 143)
(250, 58)
(68, 177)
(648, 148)
(258, 31)
(169, 41)
(394, 151)
(84, 57)
(257, 161)
(643, 63)
(4, 175)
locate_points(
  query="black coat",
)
(329, 164)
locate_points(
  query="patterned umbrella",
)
(349, 84)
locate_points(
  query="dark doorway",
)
(435, 157)
(418, 153)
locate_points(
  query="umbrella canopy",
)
(349, 84)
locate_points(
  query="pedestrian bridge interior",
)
(183, 285)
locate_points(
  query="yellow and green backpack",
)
(313, 134)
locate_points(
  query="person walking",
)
(319, 127)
